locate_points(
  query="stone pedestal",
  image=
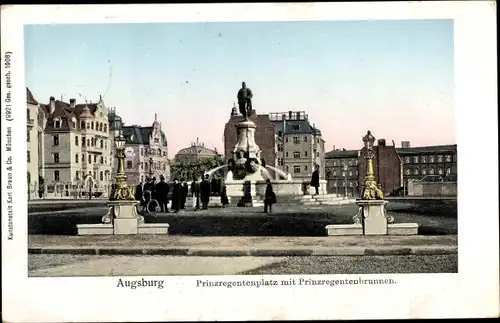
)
(374, 217)
(122, 218)
(246, 141)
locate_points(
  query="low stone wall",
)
(432, 188)
(280, 187)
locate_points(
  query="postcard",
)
(277, 161)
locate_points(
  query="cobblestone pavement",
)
(68, 265)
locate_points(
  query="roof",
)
(196, 151)
(295, 127)
(427, 150)
(140, 135)
(30, 99)
(342, 154)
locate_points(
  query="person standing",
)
(195, 194)
(223, 196)
(270, 197)
(162, 190)
(205, 192)
(184, 193)
(176, 196)
(138, 192)
(315, 179)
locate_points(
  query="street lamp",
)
(151, 167)
(122, 190)
(371, 190)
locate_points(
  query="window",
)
(280, 147)
(28, 136)
(88, 143)
(343, 173)
(92, 141)
(448, 159)
(82, 124)
(334, 173)
(334, 184)
(101, 176)
(159, 152)
(76, 140)
(431, 159)
(129, 164)
(101, 160)
(55, 140)
(305, 168)
(142, 151)
(415, 159)
(317, 154)
(90, 159)
(93, 175)
(105, 128)
(286, 154)
(407, 171)
(350, 173)
(77, 175)
(280, 161)
(286, 139)
(423, 159)
(415, 171)
(431, 171)
(88, 125)
(56, 176)
(286, 168)
(57, 123)
(73, 123)
(92, 125)
(280, 133)
(317, 141)
(164, 153)
(142, 165)
(105, 145)
(105, 160)
(83, 158)
(95, 159)
(296, 154)
(305, 139)
(407, 160)
(83, 141)
(296, 127)
(157, 140)
(305, 153)
(424, 171)
(440, 159)
(100, 129)
(296, 140)
(28, 157)
(448, 171)
(76, 158)
(296, 169)
(56, 158)
(101, 143)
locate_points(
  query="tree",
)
(189, 169)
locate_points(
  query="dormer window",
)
(73, 122)
(92, 125)
(57, 123)
(82, 124)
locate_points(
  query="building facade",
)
(196, 152)
(76, 148)
(393, 167)
(146, 152)
(300, 145)
(342, 172)
(34, 136)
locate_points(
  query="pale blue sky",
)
(393, 77)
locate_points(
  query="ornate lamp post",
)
(122, 190)
(371, 190)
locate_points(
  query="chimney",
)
(381, 142)
(405, 144)
(52, 105)
(334, 147)
(72, 103)
(290, 115)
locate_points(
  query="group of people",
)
(160, 191)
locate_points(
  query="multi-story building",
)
(341, 172)
(146, 152)
(34, 137)
(196, 152)
(76, 148)
(393, 167)
(300, 146)
(438, 160)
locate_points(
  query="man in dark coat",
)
(176, 196)
(162, 190)
(270, 197)
(184, 193)
(315, 179)
(195, 193)
(205, 192)
(138, 192)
